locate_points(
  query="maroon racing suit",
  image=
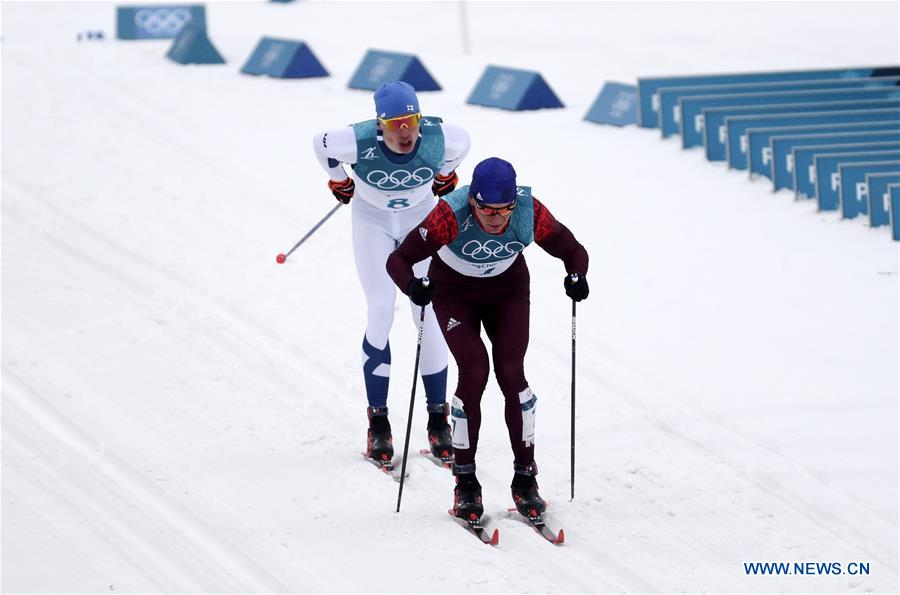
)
(501, 304)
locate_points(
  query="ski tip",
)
(495, 538)
(560, 538)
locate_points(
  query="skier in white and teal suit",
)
(400, 163)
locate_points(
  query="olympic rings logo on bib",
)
(491, 248)
(400, 178)
(162, 21)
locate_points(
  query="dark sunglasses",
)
(494, 210)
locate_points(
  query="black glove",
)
(343, 190)
(576, 286)
(420, 291)
(444, 185)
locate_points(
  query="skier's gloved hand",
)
(420, 291)
(343, 190)
(576, 286)
(444, 185)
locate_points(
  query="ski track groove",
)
(123, 484)
(236, 319)
(98, 507)
(793, 500)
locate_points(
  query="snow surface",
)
(181, 414)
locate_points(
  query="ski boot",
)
(467, 494)
(380, 443)
(525, 492)
(439, 439)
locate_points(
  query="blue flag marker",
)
(806, 168)
(283, 58)
(735, 128)
(192, 46)
(895, 211)
(855, 190)
(381, 67)
(512, 89)
(879, 189)
(694, 108)
(670, 110)
(759, 151)
(616, 104)
(783, 149)
(718, 143)
(648, 87)
(828, 178)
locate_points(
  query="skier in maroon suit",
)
(480, 279)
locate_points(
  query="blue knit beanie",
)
(494, 181)
(395, 99)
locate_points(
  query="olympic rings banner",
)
(158, 22)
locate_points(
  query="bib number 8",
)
(398, 203)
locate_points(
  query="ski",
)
(556, 538)
(477, 529)
(387, 467)
(446, 464)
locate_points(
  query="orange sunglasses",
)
(392, 124)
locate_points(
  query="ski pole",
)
(412, 397)
(574, 278)
(283, 256)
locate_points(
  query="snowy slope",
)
(181, 414)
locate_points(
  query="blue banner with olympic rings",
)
(158, 22)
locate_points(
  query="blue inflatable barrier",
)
(156, 21)
(828, 178)
(381, 67)
(283, 58)
(759, 149)
(511, 89)
(192, 46)
(895, 211)
(783, 149)
(648, 96)
(616, 104)
(854, 189)
(718, 143)
(670, 109)
(879, 190)
(693, 109)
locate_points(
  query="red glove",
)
(343, 190)
(444, 185)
